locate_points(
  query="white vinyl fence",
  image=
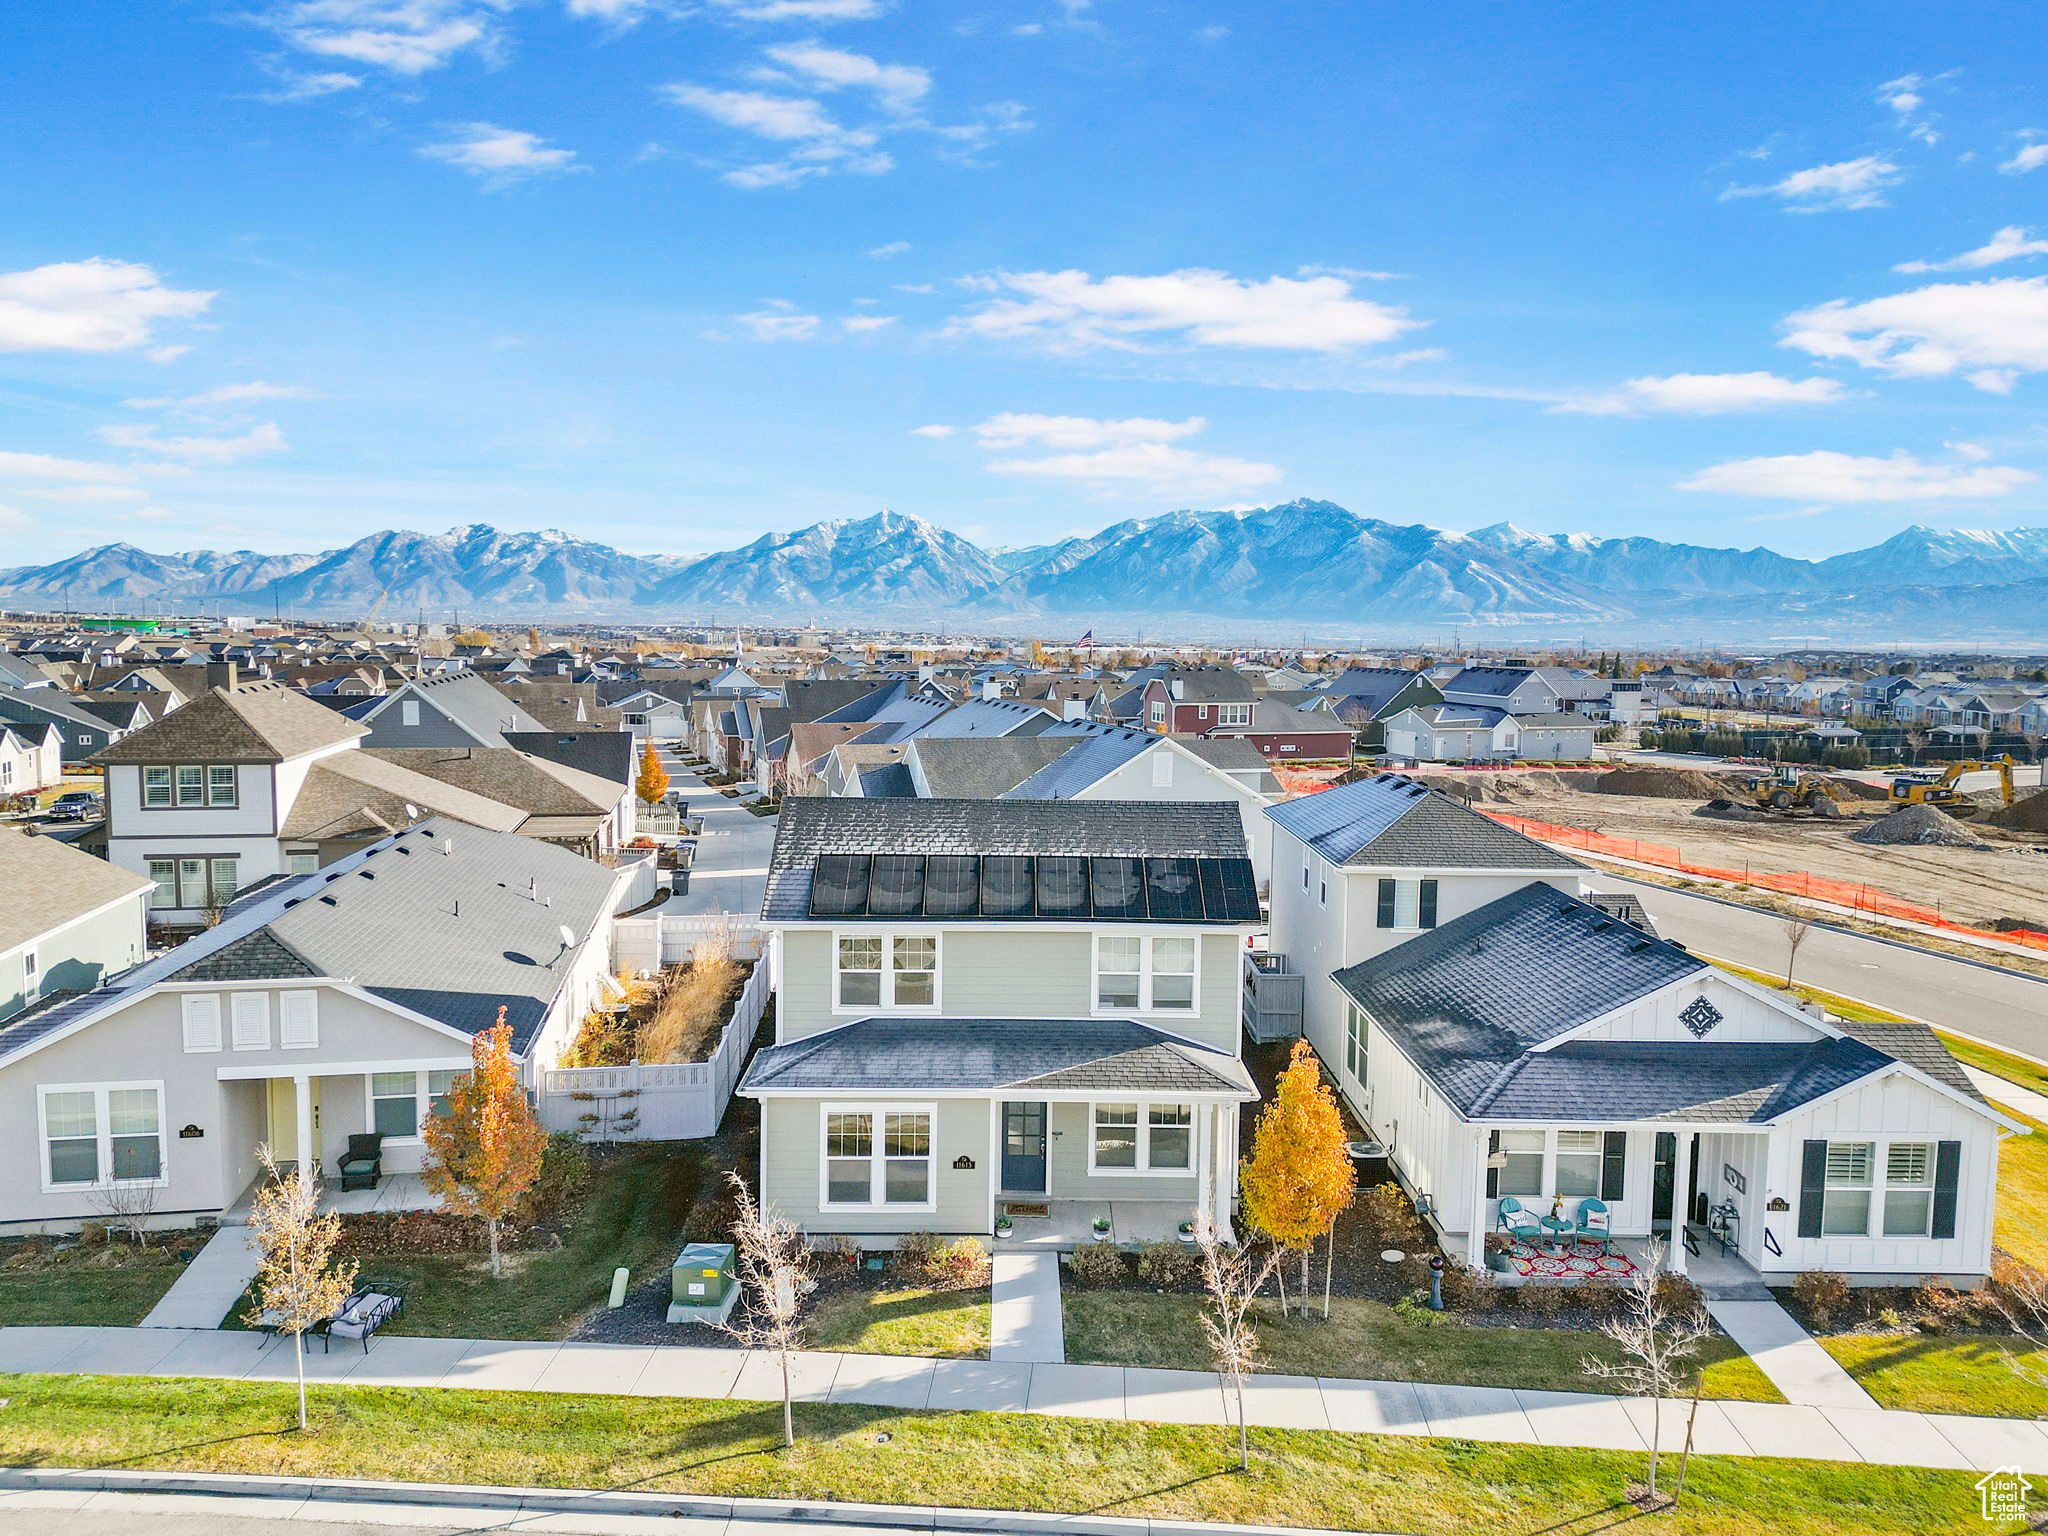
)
(668, 1102)
(649, 943)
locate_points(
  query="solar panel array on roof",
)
(1044, 886)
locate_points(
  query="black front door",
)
(1664, 1177)
(1024, 1148)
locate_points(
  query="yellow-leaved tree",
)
(299, 1282)
(484, 1149)
(653, 781)
(1299, 1177)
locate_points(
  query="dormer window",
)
(186, 786)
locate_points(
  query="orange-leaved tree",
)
(653, 781)
(484, 1149)
(1299, 1176)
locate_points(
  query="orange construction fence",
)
(1841, 893)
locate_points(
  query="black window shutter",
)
(1948, 1163)
(1813, 1181)
(1613, 1161)
(1386, 919)
(1492, 1173)
(1428, 904)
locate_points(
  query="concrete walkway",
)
(211, 1283)
(1025, 1323)
(1879, 1436)
(2029, 1103)
(730, 870)
(1789, 1355)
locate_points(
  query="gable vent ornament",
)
(1699, 1016)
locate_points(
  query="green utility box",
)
(701, 1283)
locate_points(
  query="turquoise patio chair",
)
(1595, 1224)
(1516, 1221)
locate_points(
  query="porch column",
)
(1221, 1161)
(1475, 1247)
(1681, 1203)
(1205, 1157)
(302, 1087)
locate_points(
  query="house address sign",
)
(963, 1163)
(191, 1133)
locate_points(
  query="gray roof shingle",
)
(1390, 821)
(45, 884)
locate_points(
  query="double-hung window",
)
(396, 1097)
(878, 1157)
(1233, 714)
(1142, 1138)
(1144, 975)
(188, 785)
(1522, 1174)
(1878, 1192)
(1407, 904)
(99, 1135)
(1578, 1163)
(1356, 1033)
(197, 881)
(883, 970)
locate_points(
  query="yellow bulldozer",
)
(1939, 789)
(1788, 791)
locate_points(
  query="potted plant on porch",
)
(1497, 1245)
(1101, 1225)
(1187, 1232)
(1004, 1226)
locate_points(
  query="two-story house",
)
(324, 1005)
(1191, 701)
(1508, 1035)
(67, 922)
(994, 1008)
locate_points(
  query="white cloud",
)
(403, 37)
(1822, 188)
(2008, 244)
(899, 87)
(226, 394)
(860, 323)
(1013, 429)
(1841, 477)
(43, 466)
(501, 156)
(97, 305)
(1907, 96)
(935, 430)
(297, 86)
(1151, 467)
(802, 10)
(1356, 274)
(819, 145)
(196, 450)
(1071, 311)
(85, 495)
(780, 320)
(2029, 157)
(620, 13)
(893, 248)
(1990, 332)
(1705, 394)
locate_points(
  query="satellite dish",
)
(412, 812)
(568, 938)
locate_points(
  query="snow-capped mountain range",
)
(1304, 563)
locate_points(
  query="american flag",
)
(1087, 639)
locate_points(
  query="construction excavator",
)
(1789, 791)
(1939, 789)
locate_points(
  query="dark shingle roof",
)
(1106, 828)
(1735, 1082)
(258, 956)
(982, 767)
(255, 723)
(1389, 820)
(1051, 1055)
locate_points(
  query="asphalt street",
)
(2008, 1008)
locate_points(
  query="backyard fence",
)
(648, 943)
(1841, 893)
(668, 1101)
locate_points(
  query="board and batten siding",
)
(792, 1167)
(1897, 1107)
(1745, 1017)
(1019, 972)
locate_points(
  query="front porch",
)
(394, 1192)
(1068, 1224)
(1720, 1276)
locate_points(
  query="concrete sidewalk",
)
(1885, 1437)
(213, 1282)
(1789, 1355)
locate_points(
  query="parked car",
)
(75, 805)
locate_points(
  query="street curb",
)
(572, 1501)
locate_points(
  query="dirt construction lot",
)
(2007, 878)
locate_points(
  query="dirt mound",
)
(2029, 814)
(1666, 784)
(1922, 825)
(1857, 789)
(1728, 810)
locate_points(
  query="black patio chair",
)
(362, 1165)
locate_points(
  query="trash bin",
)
(702, 1275)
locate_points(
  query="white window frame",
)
(104, 1135)
(408, 711)
(887, 1002)
(172, 787)
(1233, 714)
(1357, 1041)
(422, 1098)
(31, 973)
(207, 877)
(1550, 1154)
(878, 1158)
(1143, 1167)
(1881, 1187)
(1147, 971)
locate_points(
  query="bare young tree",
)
(299, 1283)
(774, 1267)
(1232, 1280)
(2021, 1292)
(1656, 1340)
(1796, 929)
(128, 1206)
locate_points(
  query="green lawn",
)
(1834, 1002)
(1370, 1340)
(85, 1296)
(1417, 1485)
(951, 1324)
(1940, 1374)
(1989, 1058)
(633, 1215)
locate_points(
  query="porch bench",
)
(362, 1315)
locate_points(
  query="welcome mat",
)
(1016, 1208)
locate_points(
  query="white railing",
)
(674, 1101)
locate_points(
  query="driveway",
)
(731, 869)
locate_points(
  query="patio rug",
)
(1582, 1259)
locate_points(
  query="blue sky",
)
(671, 275)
